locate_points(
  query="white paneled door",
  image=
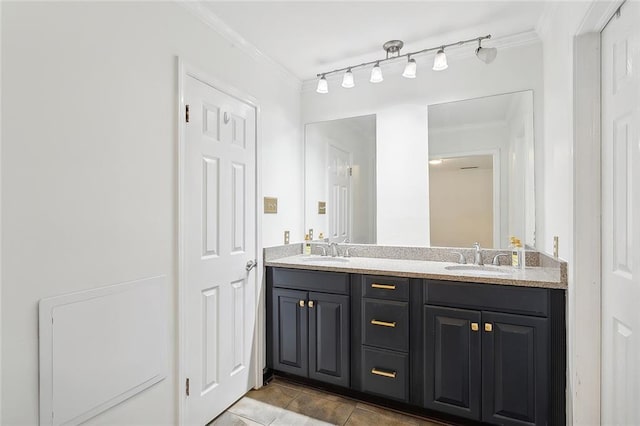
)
(621, 218)
(219, 211)
(339, 194)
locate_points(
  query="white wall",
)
(1, 41)
(402, 175)
(401, 135)
(563, 22)
(89, 166)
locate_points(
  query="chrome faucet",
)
(496, 258)
(461, 258)
(334, 249)
(478, 254)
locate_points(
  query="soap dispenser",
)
(517, 253)
(514, 253)
(307, 245)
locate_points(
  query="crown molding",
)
(506, 42)
(198, 9)
(466, 127)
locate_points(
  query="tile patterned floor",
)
(286, 403)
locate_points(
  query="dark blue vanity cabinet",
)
(487, 352)
(310, 324)
(463, 352)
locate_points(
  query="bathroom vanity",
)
(467, 345)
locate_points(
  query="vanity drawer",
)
(385, 373)
(386, 324)
(385, 287)
(489, 297)
(320, 281)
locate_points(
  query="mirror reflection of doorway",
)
(461, 193)
(339, 194)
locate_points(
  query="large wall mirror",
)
(481, 171)
(340, 179)
(475, 169)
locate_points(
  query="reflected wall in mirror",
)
(481, 171)
(340, 176)
(481, 190)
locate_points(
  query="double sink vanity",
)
(413, 329)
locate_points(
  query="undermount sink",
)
(479, 269)
(325, 259)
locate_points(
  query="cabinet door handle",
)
(383, 323)
(310, 303)
(389, 374)
(474, 326)
(488, 326)
(301, 303)
(384, 286)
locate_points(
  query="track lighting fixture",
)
(376, 74)
(392, 49)
(323, 86)
(410, 69)
(347, 80)
(440, 61)
(486, 54)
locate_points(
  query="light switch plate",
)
(270, 205)
(322, 207)
(286, 237)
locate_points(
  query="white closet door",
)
(621, 218)
(220, 237)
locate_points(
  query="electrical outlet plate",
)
(555, 246)
(270, 205)
(286, 237)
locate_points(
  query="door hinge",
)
(187, 387)
(186, 115)
(350, 171)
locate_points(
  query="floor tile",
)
(255, 410)
(396, 416)
(230, 419)
(330, 396)
(335, 412)
(361, 417)
(274, 394)
(289, 418)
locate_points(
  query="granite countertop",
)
(531, 276)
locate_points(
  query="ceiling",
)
(473, 162)
(309, 37)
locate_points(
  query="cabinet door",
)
(452, 361)
(514, 369)
(329, 338)
(290, 333)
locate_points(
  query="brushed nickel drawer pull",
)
(384, 286)
(391, 375)
(383, 323)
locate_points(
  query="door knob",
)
(250, 265)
